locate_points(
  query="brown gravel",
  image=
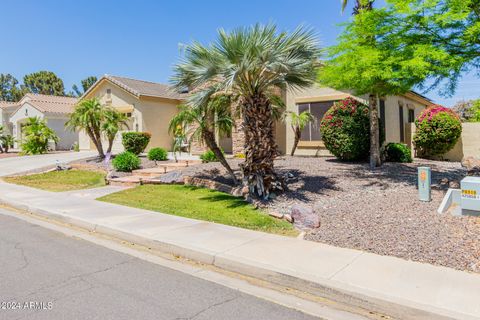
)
(375, 211)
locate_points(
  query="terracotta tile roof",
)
(6, 104)
(50, 104)
(144, 88)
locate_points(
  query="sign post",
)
(424, 182)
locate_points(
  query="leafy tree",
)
(446, 33)
(205, 115)
(114, 121)
(36, 136)
(364, 62)
(44, 82)
(9, 88)
(298, 122)
(253, 64)
(89, 115)
(86, 84)
(475, 111)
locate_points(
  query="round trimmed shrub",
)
(157, 154)
(345, 130)
(438, 130)
(135, 142)
(398, 152)
(209, 156)
(126, 162)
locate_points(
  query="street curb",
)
(329, 289)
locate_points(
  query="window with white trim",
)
(318, 109)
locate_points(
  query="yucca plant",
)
(253, 64)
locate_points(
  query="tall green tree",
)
(298, 122)
(86, 84)
(89, 115)
(253, 64)
(10, 90)
(44, 82)
(446, 32)
(113, 122)
(202, 117)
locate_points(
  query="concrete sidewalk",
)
(399, 288)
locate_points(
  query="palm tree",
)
(359, 5)
(89, 116)
(36, 136)
(253, 65)
(298, 122)
(114, 121)
(202, 117)
(7, 141)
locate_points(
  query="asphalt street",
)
(48, 275)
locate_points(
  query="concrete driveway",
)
(9, 166)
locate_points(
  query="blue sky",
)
(141, 39)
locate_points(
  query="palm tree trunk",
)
(260, 147)
(98, 144)
(209, 138)
(374, 133)
(297, 139)
(110, 144)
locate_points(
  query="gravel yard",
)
(375, 211)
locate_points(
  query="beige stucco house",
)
(53, 109)
(150, 106)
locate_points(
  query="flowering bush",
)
(438, 130)
(345, 130)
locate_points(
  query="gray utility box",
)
(470, 193)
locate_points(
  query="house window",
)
(411, 115)
(128, 114)
(109, 93)
(312, 131)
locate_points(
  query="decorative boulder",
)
(304, 217)
(472, 165)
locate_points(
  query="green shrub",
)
(36, 136)
(209, 156)
(157, 154)
(126, 162)
(345, 130)
(135, 142)
(438, 130)
(398, 152)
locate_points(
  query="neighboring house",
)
(150, 106)
(6, 110)
(55, 110)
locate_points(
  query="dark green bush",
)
(345, 130)
(135, 142)
(157, 154)
(438, 130)
(126, 162)
(209, 156)
(398, 152)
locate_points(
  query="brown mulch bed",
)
(9, 155)
(376, 211)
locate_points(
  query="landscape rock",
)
(276, 215)
(472, 165)
(171, 177)
(304, 218)
(454, 184)
(288, 217)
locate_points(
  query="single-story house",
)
(150, 107)
(54, 109)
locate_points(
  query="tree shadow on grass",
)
(217, 196)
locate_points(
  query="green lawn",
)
(61, 180)
(202, 204)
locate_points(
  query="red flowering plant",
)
(437, 131)
(345, 130)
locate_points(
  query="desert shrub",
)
(345, 130)
(209, 156)
(135, 142)
(438, 130)
(157, 154)
(398, 152)
(126, 162)
(240, 155)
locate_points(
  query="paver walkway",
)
(386, 282)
